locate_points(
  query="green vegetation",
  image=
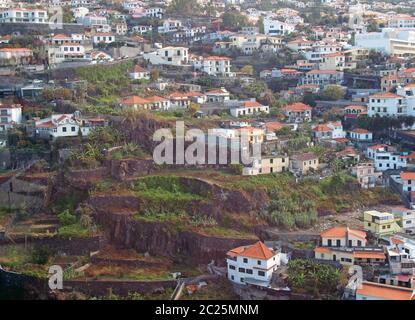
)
(128, 150)
(106, 82)
(379, 125)
(292, 211)
(307, 276)
(74, 225)
(333, 92)
(234, 20)
(164, 195)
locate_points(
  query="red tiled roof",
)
(386, 292)
(274, 125)
(407, 175)
(255, 251)
(248, 104)
(137, 69)
(340, 232)
(297, 107)
(134, 100)
(360, 130)
(385, 95)
(322, 128)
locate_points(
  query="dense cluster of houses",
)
(346, 87)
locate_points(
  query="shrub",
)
(40, 255)
(66, 218)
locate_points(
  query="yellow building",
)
(380, 223)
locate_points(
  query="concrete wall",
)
(39, 28)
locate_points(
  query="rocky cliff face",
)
(162, 240)
(115, 213)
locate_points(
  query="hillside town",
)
(207, 149)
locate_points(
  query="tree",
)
(184, 7)
(193, 108)
(333, 92)
(66, 218)
(248, 69)
(260, 25)
(154, 74)
(234, 20)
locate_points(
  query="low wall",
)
(103, 287)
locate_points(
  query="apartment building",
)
(213, 65)
(24, 15)
(380, 223)
(10, 115)
(323, 77)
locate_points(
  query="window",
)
(249, 271)
(245, 260)
(261, 273)
(232, 267)
(73, 129)
(63, 129)
(259, 262)
(242, 270)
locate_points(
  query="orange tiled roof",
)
(134, 100)
(322, 128)
(248, 104)
(156, 99)
(369, 255)
(315, 71)
(274, 125)
(137, 69)
(255, 251)
(385, 95)
(339, 232)
(407, 175)
(297, 107)
(360, 130)
(386, 292)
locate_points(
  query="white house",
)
(386, 104)
(141, 29)
(66, 52)
(10, 115)
(218, 95)
(175, 56)
(408, 181)
(169, 25)
(103, 37)
(248, 108)
(361, 135)
(252, 264)
(66, 125)
(406, 217)
(329, 130)
(272, 26)
(213, 65)
(154, 12)
(138, 72)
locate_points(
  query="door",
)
(334, 257)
